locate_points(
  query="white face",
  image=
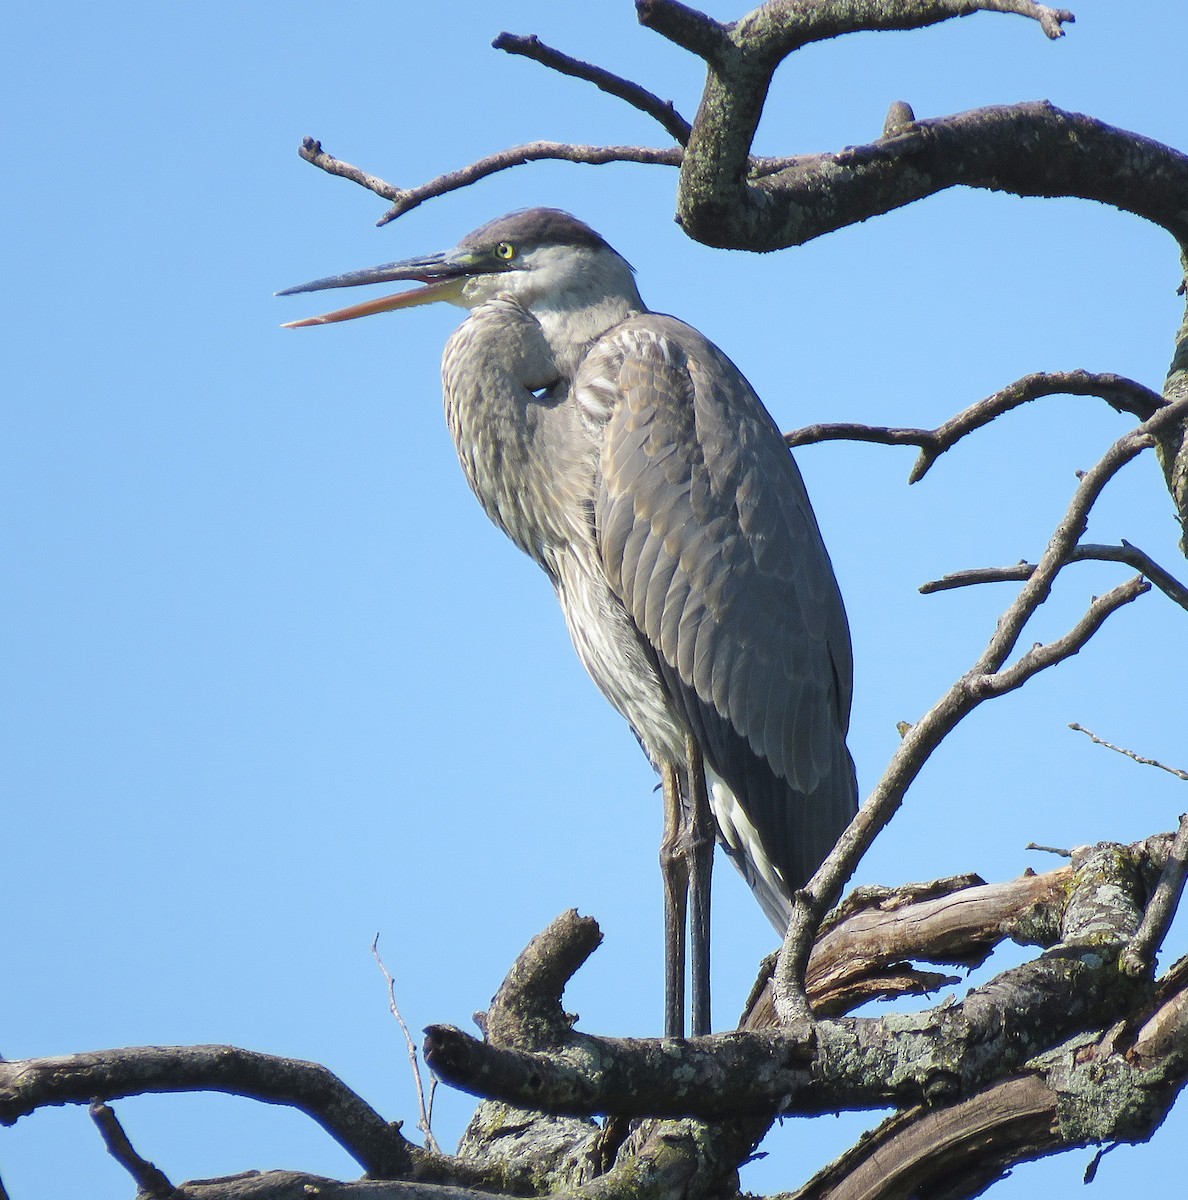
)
(552, 278)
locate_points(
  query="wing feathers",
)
(703, 523)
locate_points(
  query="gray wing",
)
(707, 535)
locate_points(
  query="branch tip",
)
(150, 1180)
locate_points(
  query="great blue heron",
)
(625, 454)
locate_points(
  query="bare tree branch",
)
(375, 1144)
(1122, 394)
(1139, 957)
(425, 1122)
(775, 29)
(1029, 149)
(824, 889)
(1086, 552)
(638, 97)
(150, 1180)
(843, 1062)
(298, 1185)
(1138, 758)
(684, 26)
(405, 199)
(1042, 656)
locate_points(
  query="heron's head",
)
(552, 263)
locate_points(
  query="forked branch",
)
(405, 199)
(1085, 552)
(986, 678)
(1120, 393)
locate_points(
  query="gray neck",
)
(571, 327)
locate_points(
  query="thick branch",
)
(684, 26)
(375, 1144)
(526, 1011)
(864, 951)
(1120, 393)
(638, 97)
(1092, 1090)
(297, 1185)
(1030, 149)
(1139, 957)
(781, 26)
(775, 29)
(843, 1062)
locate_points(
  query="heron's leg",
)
(700, 833)
(674, 870)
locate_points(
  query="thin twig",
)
(426, 1110)
(1139, 957)
(983, 681)
(405, 199)
(631, 93)
(517, 156)
(1086, 552)
(1057, 850)
(1120, 393)
(149, 1179)
(1138, 758)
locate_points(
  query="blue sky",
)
(273, 682)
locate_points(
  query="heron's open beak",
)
(443, 275)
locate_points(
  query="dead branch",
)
(866, 946)
(1120, 393)
(638, 97)
(298, 1185)
(1139, 957)
(150, 1181)
(375, 1144)
(1055, 1106)
(775, 29)
(405, 199)
(986, 678)
(425, 1120)
(1086, 552)
(1042, 656)
(1138, 758)
(853, 1062)
(526, 1011)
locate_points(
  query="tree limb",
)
(1044, 655)
(848, 1062)
(824, 889)
(1086, 552)
(1120, 393)
(375, 1144)
(150, 1181)
(638, 97)
(1139, 957)
(1029, 149)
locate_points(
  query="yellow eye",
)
(506, 251)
